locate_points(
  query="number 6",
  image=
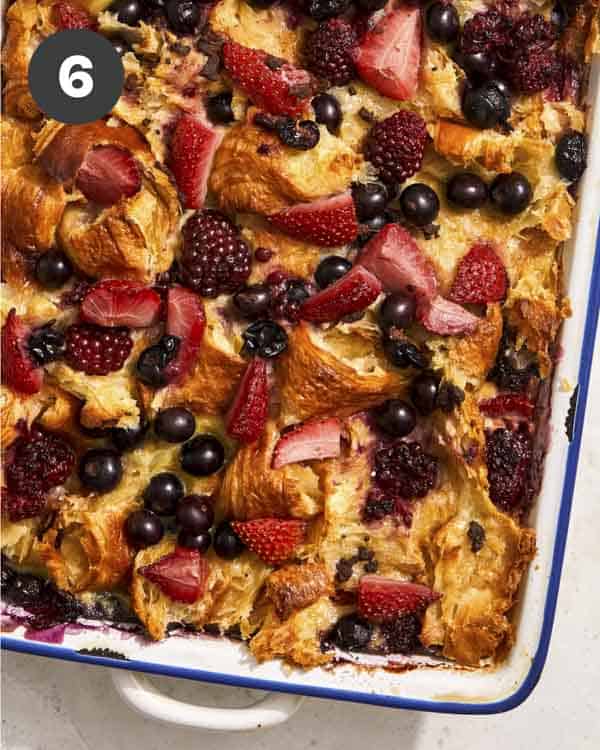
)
(67, 77)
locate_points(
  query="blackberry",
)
(215, 260)
(401, 636)
(485, 32)
(351, 633)
(46, 344)
(96, 350)
(513, 370)
(378, 505)
(328, 52)
(19, 507)
(405, 470)
(531, 31)
(264, 338)
(287, 296)
(395, 146)
(449, 396)
(508, 456)
(533, 71)
(571, 155)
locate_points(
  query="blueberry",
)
(327, 111)
(397, 310)
(143, 529)
(53, 269)
(420, 204)
(352, 633)
(559, 16)
(477, 65)
(175, 425)
(218, 108)
(153, 361)
(183, 15)
(485, 106)
(129, 12)
(442, 22)
(265, 338)
(126, 438)
(46, 344)
(100, 469)
(202, 456)
(502, 87)
(331, 269)
(163, 493)
(370, 199)
(195, 514)
(466, 190)
(404, 354)
(227, 543)
(200, 542)
(396, 417)
(120, 46)
(253, 301)
(571, 155)
(323, 9)
(423, 393)
(511, 193)
(376, 224)
(302, 135)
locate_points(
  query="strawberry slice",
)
(506, 405)
(480, 277)
(107, 174)
(355, 291)
(280, 89)
(327, 221)
(248, 414)
(69, 16)
(274, 540)
(187, 321)
(388, 56)
(192, 151)
(18, 369)
(181, 575)
(113, 302)
(383, 599)
(310, 441)
(446, 318)
(399, 263)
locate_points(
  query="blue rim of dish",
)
(451, 707)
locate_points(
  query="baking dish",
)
(443, 688)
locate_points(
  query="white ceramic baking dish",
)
(442, 689)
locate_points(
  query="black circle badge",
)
(76, 76)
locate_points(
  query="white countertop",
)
(53, 705)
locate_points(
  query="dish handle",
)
(140, 694)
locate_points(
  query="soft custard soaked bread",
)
(278, 332)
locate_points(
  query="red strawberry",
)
(248, 414)
(107, 174)
(327, 221)
(389, 55)
(193, 147)
(272, 539)
(383, 599)
(399, 263)
(69, 16)
(446, 318)
(308, 442)
(18, 369)
(480, 277)
(112, 303)
(356, 290)
(507, 404)
(181, 575)
(281, 90)
(187, 321)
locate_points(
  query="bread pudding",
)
(278, 333)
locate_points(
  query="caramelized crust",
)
(296, 587)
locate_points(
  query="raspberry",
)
(287, 295)
(567, 84)
(533, 71)
(485, 32)
(96, 350)
(396, 146)
(508, 457)
(74, 296)
(401, 636)
(215, 260)
(404, 470)
(531, 32)
(19, 507)
(328, 52)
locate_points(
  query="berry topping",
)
(328, 51)
(19, 507)
(508, 456)
(248, 414)
(195, 514)
(404, 470)
(151, 367)
(401, 635)
(476, 535)
(322, 9)
(218, 108)
(202, 456)
(531, 31)
(402, 353)
(449, 396)
(571, 155)
(446, 318)
(46, 344)
(96, 350)
(327, 221)
(420, 204)
(274, 540)
(351, 633)
(331, 269)
(383, 599)
(398, 311)
(19, 371)
(287, 296)
(395, 146)
(265, 338)
(511, 193)
(175, 424)
(283, 90)
(127, 438)
(163, 493)
(355, 291)
(389, 54)
(143, 529)
(200, 542)
(100, 469)
(114, 303)
(442, 21)
(467, 190)
(215, 260)
(534, 71)
(302, 135)
(396, 417)
(192, 150)
(480, 277)
(227, 543)
(70, 16)
(327, 111)
(181, 576)
(186, 322)
(485, 32)
(508, 405)
(370, 199)
(513, 370)
(310, 441)
(107, 174)
(253, 301)
(53, 269)
(486, 106)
